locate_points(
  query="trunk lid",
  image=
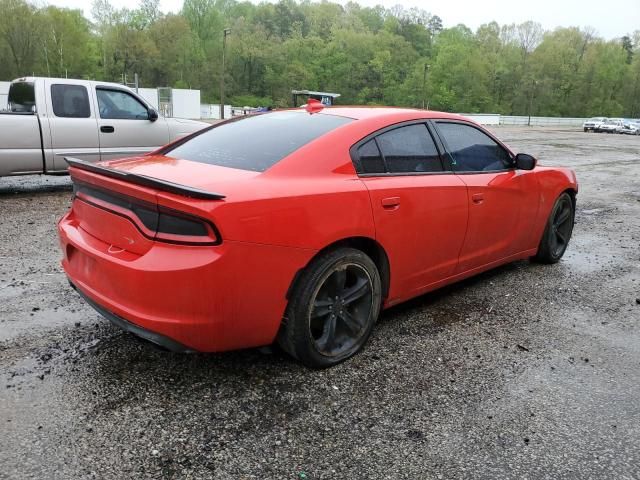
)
(130, 204)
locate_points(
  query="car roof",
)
(362, 113)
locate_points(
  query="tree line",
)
(370, 55)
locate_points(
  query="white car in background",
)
(613, 125)
(593, 123)
(631, 128)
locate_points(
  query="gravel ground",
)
(527, 371)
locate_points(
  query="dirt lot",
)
(528, 371)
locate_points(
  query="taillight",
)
(153, 221)
(177, 227)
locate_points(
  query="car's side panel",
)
(289, 216)
(552, 182)
(502, 207)
(420, 222)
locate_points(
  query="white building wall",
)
(483, 118)
(186, 103)
(4, 94)
(212, 111)
(150, 95)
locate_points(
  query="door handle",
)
(477, 198)
(107, 129)
(390, 203)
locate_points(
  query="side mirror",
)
(525, 161)
(153, 115)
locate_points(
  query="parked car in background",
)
(631, 128)
(613, 125)
(50, 118)
(593, 123)
(304, 233)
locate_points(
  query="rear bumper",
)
(127, 326)
(186, 298)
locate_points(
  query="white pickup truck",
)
(48, 119)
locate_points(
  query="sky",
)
(622, 18)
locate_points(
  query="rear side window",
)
(472, 150)
(370, 158)
(70, 101)
(409, 149)
(256, 142)
(22, 97)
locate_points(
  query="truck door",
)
(72, 122)
(125, 127)
(20, 139)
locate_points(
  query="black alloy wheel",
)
(558, 231)
(332, 309)
(562, 226)
(341, 309)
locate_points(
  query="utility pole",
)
(533, 86)
(424, 84)
(225, 32)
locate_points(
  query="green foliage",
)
(370, 55)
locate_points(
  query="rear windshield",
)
(256, 142)
(22, 98)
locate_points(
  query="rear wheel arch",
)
(368, 246)
(572, 193)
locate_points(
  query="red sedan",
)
(300, 226)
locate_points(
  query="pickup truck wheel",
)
(557, 232)
(333, 308)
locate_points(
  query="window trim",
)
(355, 158)
(86, 91)
(448, 156)
(125, 91)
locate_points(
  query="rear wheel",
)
(332, 309)
(558, 231)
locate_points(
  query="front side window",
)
(472, 150)
(70, 101)
(119, 105)
(256, 142)
(409, 149)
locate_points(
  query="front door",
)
(502, 200)
(420, 210)
(124, 126)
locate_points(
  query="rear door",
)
(419, 208)
(502, 201)
(125, 129)
(72, 122)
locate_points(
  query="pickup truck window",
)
(70, 101)
(22, 97)
(119, 105)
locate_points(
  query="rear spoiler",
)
(143, 180)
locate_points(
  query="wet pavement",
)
(528, 371)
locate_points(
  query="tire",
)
(558, 231)
(333, 307)
(586, 130)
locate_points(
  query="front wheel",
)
(557, 232)
(333, 308)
